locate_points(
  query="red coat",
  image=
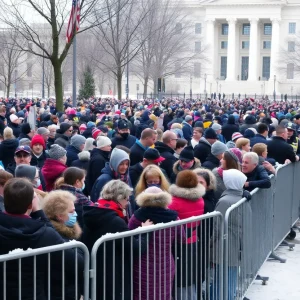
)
(52, 170)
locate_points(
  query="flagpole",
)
(74, 98)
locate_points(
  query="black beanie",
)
(63, 128)
(26, 128)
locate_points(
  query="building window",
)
(292, 28)
(246, 29)
(223, 72)
(197, 70)
(291, 46)
(198, 28)
(177, 70)
(29, 69)
(197, 47)
(245, 44)
(224, 44)
(224, 29)
(266, 67)
(267, 44)
(245, 67)
(178, 28)
(290, 71)
(268, 29)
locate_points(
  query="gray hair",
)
(116, 190)
(252, 156)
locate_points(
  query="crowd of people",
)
(108, 166)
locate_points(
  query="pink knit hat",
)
(236, 154)
(95, 132)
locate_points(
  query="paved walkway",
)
(284, 282)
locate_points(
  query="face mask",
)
(72, 219)
(124, 135)
(153, 184)
(83, 187)
(38, 183)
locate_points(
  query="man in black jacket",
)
(3, 121)
(122, 136)
(203, 149)
(257, 176)
(279, 149)
(214, 158)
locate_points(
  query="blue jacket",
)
(72, 154)
(187, 130)
(258, 139)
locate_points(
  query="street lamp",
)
(220, 88)
(292, 88)
(43, 76)
(217, 84)
(274, 88)
(16, 72)
(205, 93)
(191, 89)
(127, 69)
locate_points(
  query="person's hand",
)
(147, 223)
(267, 165)
(287, 161)
(297, 158)
(246, 184)
(35, 203)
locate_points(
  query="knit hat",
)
(116, 157)
(234, 179)
(236, 135)
(25, 128)
(187, 154)
(103, 141)
(95, 132)
(123, 124)
(188, 118)
(90, 124)
(43, 130)
(38, 139)
(26, 171)
(24, 142)
(218, 148)
(13, 118)
(187, 179)
(56, 152)
(63, 128)
(89, 144)
(77, 140)
(236, 154)
(216, 127)
(210, 134)
(82, 127)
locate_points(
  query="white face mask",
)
(38, 183)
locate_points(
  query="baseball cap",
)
(291, 126)
(123, 124)
(24, 149)
(153, 154)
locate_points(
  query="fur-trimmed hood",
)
(162, 199)
(192, 194)
(197, 164)
(72, 233)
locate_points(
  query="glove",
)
(247, 195)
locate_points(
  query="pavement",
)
(284, 278)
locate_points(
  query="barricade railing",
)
(60, 272)
(181, 260)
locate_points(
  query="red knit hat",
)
(95, 132)
(38, 139)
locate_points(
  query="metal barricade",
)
(296, 194)
(283, 203)
(248, 241)
(180, 260)
(36, 273)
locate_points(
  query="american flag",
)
(73, 25)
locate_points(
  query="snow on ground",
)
(284, 278)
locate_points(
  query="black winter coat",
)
(258, 138)
(211, 162)
(135, 173)
(118, 140)
(7, 151)
(3, 123)
(280, 150)
(16, 128)
(168, 153)
(39, 161)
(62, 140)
(81, 164)
(98, 222)
(228, 130)
(34, 232)
(72, 154)
(136, 154)
(202, 150)
(258, 178)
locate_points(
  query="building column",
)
(253, 50)
(274, 48)
(210, 42)
(231, 50)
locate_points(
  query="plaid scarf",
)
(122, 177)
(109, 204)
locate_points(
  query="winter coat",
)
(39, 161)
(51, 171)
(152, 267)
(16, 128)
(211, 162)
(80, 201)
(258, 178)
(229, 128)
(82, 162)
(210, 201)
(3, 123)
(220, 184)
(50, 142)
(143, 123)
(280, 150)
(187, 130)
(207, 123)
(258, 138)
(7, 151)
(202, 150)
(97, 222)
(88, 133)
(135, 172)
(137, 153)
(24, 136)
(97, 163)
(246, 126)
(62, 140)
(168, 154)
(35, 232)
(72, 154)
(118, 140)
(167, 119)
(176, 168)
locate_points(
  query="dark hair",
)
(262, 127)
(4, 177)
(230, 162)
(18, 195)
(180, 143)
(199, 129)
(124, 148)
(205, 176)
(72, 174)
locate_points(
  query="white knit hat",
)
(103, 141)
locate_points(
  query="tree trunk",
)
(48, 91)
(58, 84)
(145, 87)
(155, 86)
(119, 83)
(7, 91)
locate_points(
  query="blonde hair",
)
(154, 171)
(176, 125)
(57, 202)
(159, 134)
(259, 148)
(8, 133)
(241, 142)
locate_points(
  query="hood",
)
(11, 143)
(197, 164)
(60, 135)
(16, 231)
(145, 116)
(204, 141)
(156, 214)
(192, 194)
(107, 170)
(53, 168)
(161, 147)
(72, 233)
(234, 179)
(250, 119)
(117, 157)
(231, 120)
(162, 199)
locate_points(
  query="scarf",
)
(220, 172)
(122, 177)
(110, 204)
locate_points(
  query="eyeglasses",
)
(22, 155)
(174, 139)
